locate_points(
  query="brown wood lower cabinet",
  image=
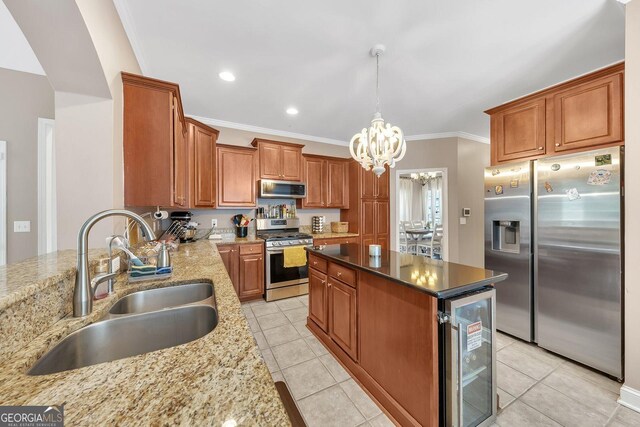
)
(343, 317)
(251, 276)
(384, 334)
(318, 304)
(245, 265)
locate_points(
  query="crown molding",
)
(465, 135)
(267, 131)
(130, 30)
(286, 134)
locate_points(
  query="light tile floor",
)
(536, 388)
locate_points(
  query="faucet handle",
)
(99, 279)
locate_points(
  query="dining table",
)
(418, 233)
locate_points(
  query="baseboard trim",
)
(629, 398)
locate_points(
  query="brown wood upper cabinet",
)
(581, 114)
(236, 172)
(154, 143)
(279, 160)
(327, 180)
(202, 164)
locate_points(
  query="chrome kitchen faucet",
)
(83, 292)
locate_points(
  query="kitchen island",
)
(391, 322)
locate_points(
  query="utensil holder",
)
(241, 231)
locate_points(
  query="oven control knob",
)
(276, 243)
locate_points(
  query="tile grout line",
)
(336, 383)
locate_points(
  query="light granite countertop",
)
(209, 381)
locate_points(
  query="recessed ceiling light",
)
(292, 111)
(227, 76)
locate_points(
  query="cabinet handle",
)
(540, 148)
(315, 262)
(323, 282)
(339, 273)
(557, 144)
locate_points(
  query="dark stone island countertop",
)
(438, 278)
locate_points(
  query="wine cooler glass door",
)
(471, 365)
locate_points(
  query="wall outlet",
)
(21, 226)
(214, 223)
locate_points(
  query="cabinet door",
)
(204, 173)
(337, 184)
(589, 114)
(342, 317)
(251, 283)
(318, 298)
(368, 218)
(519, 131)
(291, 163)
(368, 183)
(314, 172)
(381, 184)
(382, 223)
(179, 159)
(229, 255)
(270, 161)
(236, 177)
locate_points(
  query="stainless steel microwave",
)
(274, 189)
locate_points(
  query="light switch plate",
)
(21, 226)
(463, 221)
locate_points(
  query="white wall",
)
(630, 393)
(25, 97)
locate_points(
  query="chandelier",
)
(422, 178)
(381, 144)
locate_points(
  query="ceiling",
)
(16, 51)
(446, 61)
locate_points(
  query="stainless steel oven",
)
(285, 282)
(278, 234)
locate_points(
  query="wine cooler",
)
(469, 371)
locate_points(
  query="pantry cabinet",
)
(154, 143)
(581, 114)
(327, 180)
(236, 176)
(368, 213)
(279, 160)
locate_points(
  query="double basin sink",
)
(138, 323)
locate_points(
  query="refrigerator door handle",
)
(459, 379)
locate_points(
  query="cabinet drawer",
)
(317, 263)
(335, 241)
(343, 274)
(250, 249)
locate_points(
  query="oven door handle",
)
(279, 251)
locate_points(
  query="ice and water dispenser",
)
(506, 236)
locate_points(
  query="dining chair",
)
(432, 246)
(407, 243)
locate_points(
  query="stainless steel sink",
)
(158, 299)
(127, 336)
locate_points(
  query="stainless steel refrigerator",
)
(557, 230)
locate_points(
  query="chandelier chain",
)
(377, 82)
